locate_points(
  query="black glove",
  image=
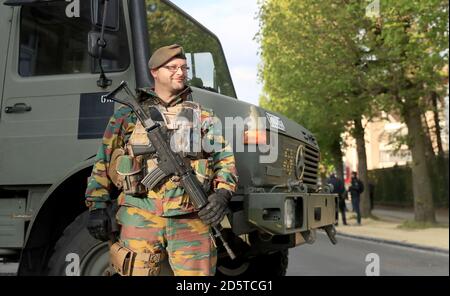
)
(214, 211)
(99, 224)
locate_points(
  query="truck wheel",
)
(76, 250)
(274, 264)
(264, 265)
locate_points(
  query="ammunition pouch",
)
(112, 168)
(129, 263)
(131, 170)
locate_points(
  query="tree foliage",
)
(410, 43)
(325, 64)
(313, 65)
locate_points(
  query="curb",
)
(396, 243)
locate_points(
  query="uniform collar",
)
(146, 93)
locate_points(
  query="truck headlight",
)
(289, 213)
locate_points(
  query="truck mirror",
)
(110, 49)
(112, 15)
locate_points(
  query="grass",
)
(413, 225)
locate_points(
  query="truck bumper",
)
(288, 213)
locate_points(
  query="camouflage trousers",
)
(186, 239)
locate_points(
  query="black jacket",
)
(356, 188)
(338, 185)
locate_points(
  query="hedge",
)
(393, 186)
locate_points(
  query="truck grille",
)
(312, 158)
(300, 161)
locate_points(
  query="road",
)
(348, 258)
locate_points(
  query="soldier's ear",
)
(154, 73)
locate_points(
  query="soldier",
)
(161, 221)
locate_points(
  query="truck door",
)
(5, 27)
(52, 116)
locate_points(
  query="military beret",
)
(164, 54)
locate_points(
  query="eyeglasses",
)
(174, 68)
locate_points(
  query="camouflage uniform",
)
(164, 219)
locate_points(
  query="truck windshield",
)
(208, 67)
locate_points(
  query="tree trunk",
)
(437, 125)
(362, 167)
(429, 151)
(423, 197)
(340, 169)
(337, 156)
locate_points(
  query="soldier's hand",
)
(99, 224)
(215, 210)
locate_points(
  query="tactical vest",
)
(183, 124)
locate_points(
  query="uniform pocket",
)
(112, 169)
(121, 259)
(131, 169)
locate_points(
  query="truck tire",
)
(274, 264)
(76, 250)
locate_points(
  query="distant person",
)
(355, 189)
(338, 187)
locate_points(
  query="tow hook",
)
(331, 232)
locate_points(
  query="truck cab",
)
(52, 119)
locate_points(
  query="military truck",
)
(57, 60)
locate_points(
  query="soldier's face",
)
(172, 76)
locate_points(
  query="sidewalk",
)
(385, 228)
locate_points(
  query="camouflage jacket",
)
(169, 199)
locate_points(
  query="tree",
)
(328, 66)
(314, 71)
(411, 48)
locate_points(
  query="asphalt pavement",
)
(352, 257)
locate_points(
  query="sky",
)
(235, 24)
